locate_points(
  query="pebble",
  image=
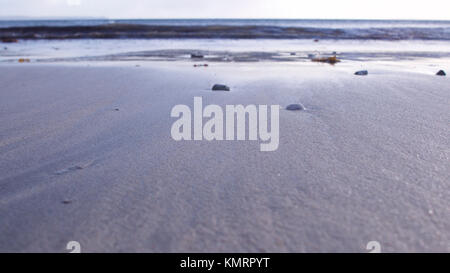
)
(295, 107)
(441, 73)
(197, 56)
(362, 73)
(220, 87)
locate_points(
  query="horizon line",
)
(36, 18)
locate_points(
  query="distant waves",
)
(137, 31)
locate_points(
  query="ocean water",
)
(227, 29)
(236, 22)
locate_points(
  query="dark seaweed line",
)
(117, 31)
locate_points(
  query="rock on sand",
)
(441, 73)
(220, 87)
(362, 73)
(295, 107)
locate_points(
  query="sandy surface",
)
(368, 160)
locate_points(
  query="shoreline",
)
(223, 50)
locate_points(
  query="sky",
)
(315, 9)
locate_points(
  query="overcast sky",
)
(330, 9)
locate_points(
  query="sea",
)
(228, 28)
(314, 23)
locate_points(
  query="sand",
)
(86, 155)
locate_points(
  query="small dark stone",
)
(117, 109)
(295, 107)
(197, 56)
(441, 73)
(220, 87)
(293, 53)
(362, 73)
(66, 202)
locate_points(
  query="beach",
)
(86, 155)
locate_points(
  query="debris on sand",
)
(66, 202)
(200, 65)
(293, 53)
(197, 56)
(441, 73)
(9, 40)
(316, 40)
(116, 109)
(295, 107)
(330, 60)
(24, 60)
(362, 73)
(220, 87)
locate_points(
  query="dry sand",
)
(368, 160)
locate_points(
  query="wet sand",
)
(86, 155)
